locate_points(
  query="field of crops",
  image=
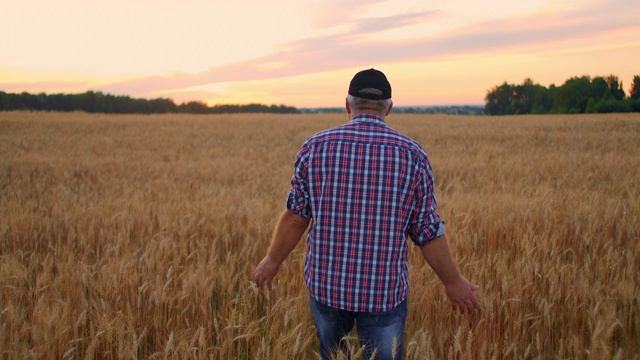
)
(125, 237)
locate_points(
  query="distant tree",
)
(523, 97)
(612, 105)
(634, 92)
(591, 106)
(577, 95)
(283, 109)
(122, 105)
(543, 100)
(141, 106)
(162, 105)
(600, 88)
(86, 101)
(572, 97)
(96, 101)
(518, 99)
(15, 102)
(615, 87)
(499, 99)
(193, 107)
(4, 101)
(634, 105)
(28, 101)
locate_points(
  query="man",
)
(364, 188)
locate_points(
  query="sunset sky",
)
(303, 53)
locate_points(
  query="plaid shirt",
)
(366, 187)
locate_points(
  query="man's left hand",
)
(460, 293)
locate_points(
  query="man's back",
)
(366, 186)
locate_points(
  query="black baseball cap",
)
(370, 79)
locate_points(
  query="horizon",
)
(254, 103)
(307, 51)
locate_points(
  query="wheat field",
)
(136, 237)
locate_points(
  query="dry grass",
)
(137, 236)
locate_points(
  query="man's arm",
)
(285, 238)
(459, 290)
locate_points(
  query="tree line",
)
(600, 94)
(97, 102)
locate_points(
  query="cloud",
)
(374, 25)
(358, 48)
(331, 13)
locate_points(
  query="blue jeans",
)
(379, 331)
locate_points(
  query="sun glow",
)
(303, 53)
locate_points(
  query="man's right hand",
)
(265, 272)
(285, 238)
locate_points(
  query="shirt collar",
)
(368, 118)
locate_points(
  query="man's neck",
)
(370, 113)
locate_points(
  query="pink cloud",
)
(330, 13)
(352, 49)
(349, 50)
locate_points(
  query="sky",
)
(303, 53)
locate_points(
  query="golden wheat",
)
(128, 236)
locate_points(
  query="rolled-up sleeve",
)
(425, 224)
(298, 196)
